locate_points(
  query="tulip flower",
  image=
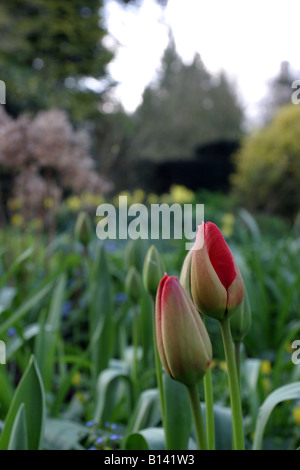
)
(218, 291)
(216, 282)
(240, 322)
(134, 290)
(135, 253)
(83, 229)
(153, 271)
(185, 275)
(133, 285)
(183, 343)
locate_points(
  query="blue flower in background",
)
(113, 437)
(120, 297)
(82, 303)
(11, 332)
(92, 448)
(90, 423)
(99, 440)
(111, 247)
(70, 283)
(113, 426)
(67, 306)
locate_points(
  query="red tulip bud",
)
(183, 343)
(216, 282)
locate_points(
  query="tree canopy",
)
(268, 165)
(46, 49)
(185, 107)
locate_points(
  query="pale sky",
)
(246, 39)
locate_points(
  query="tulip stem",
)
(198, 417)
(158, 370)
(234, 388)
(237, 355)
(209, 406)
(135, 341)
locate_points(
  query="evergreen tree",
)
(279, 92)
(187, 106)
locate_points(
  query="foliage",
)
(54, 45)
(268, 165)
(185, 107)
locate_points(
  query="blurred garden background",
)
(72, 138)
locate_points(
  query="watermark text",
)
(157, 221)
(296, 94)
(2, 92)
(2, 352)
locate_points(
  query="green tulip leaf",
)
(147, 412)
(47, 339)
(62, 434)
(151, 439)
(287, 392)
(30, 391)
(177, 410)
(147, 439)
(18, 438)
(101, 318)
(29, 304)
(223, 427)
(108, 391)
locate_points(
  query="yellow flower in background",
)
(289, 349)
(266, 383)
(227, 225)
(153, 198)
(123, 193)
(17, 220)
(213, 364)
(87, 199)
(296, 414)
(91, 200)
(223, 366)
(138, 196)
(36, 224)
(80, 397)
(73, 203)
(266, 367)
(166, 198)
(48, 202)
(76, 379)
(181, 194)
(14, 204)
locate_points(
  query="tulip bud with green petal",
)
(185, 275)
(153, 270)
(135, 253)
(216, 282)
(240, 322)
(133, 285)
(183, 343)
(83, 228)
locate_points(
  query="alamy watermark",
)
(2, 352)
(296, 354)
(154, 222)
(2, 92)
(296, 94)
